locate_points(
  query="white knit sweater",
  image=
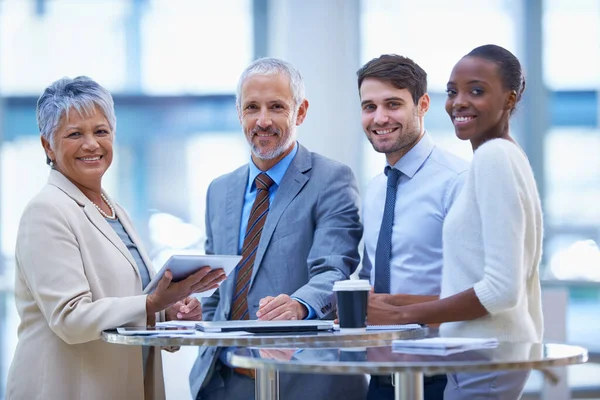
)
(492, 242)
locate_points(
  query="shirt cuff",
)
(488, 298)
(311, 311)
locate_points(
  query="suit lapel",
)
(234, 204)
(63, 183)
(292, 183)
(103, 226)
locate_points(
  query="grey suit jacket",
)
(309, 241)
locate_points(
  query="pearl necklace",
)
(112, 210)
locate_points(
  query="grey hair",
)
(82, 93)
(272, 66)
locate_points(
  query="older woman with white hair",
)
(81, 267)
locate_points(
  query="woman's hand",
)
(382, 313)
(188, 309)
(382, 297)
(168, 293)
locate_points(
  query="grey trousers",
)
(501, 385)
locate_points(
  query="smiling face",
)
(390, 119)
(478, 103)
(269, 117)
(82, 148)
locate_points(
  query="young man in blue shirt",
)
(405, 206)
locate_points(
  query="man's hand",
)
(280, 307)
(188, 309)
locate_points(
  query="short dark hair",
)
(401, 72)
(509, 66)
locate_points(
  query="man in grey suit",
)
(293, 216)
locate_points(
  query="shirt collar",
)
(410, 163)
(276, 172)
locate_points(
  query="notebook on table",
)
(403, 327)
(257, 326)
(442, 345)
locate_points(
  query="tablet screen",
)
(182, 265)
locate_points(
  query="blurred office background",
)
(173, 65)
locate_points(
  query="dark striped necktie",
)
(383, 252)
(256, 222)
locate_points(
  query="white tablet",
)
(182, 266)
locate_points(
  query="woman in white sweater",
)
(492, 236)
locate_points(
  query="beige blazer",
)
(74, 279)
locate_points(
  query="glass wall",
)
(572, 65)
(572, 168)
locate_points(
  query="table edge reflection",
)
(580, 356)
(322, 339)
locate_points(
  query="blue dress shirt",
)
(430, 180)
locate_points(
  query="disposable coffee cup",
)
(352, 299)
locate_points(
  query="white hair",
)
(82, 93)
(272, 66)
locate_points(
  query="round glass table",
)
(267, 381)
(407, 369)
(308, 339)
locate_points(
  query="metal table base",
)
(266, 385)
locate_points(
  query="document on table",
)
(404, 327)
(178, 324)
(192, 324)
(442, 345)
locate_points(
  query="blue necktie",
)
(383, 252)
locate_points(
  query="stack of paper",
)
(442, 345)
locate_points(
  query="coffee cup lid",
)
(352, 284)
